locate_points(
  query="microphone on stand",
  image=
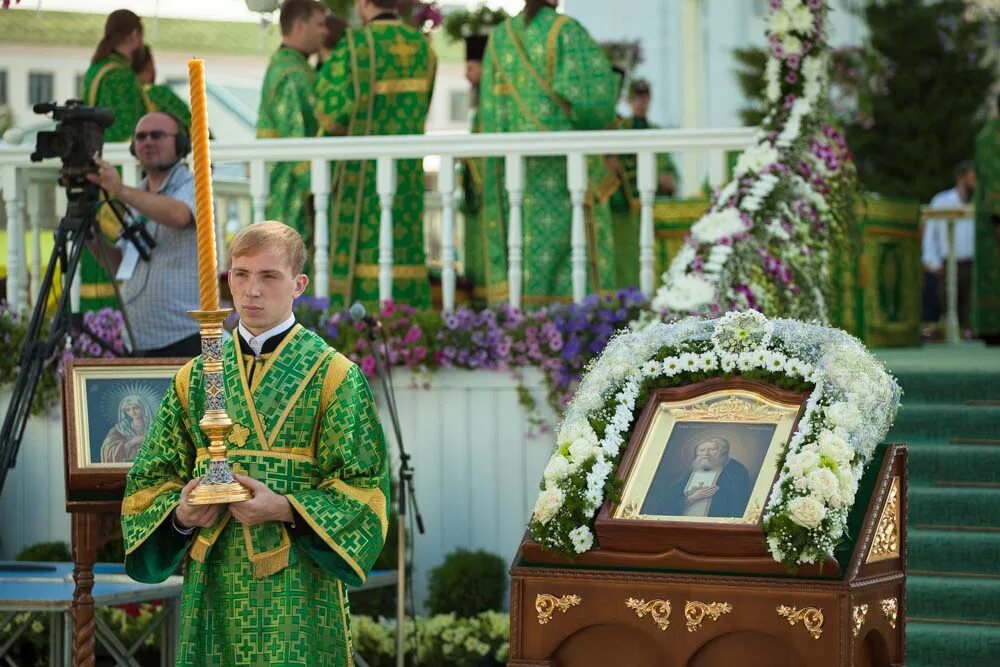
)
(404, 489)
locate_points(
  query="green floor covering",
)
(950, 420)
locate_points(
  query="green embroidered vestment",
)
(377, 81)
(109, 83)
(307, 427)
(163, 98)
(986, 283)
(287, 109)
(548, 75)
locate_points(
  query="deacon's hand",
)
(107, 177)
(701, 494)
(266, 505)
(191, 516)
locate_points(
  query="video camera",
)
(77, 139)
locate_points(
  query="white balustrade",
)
(707, 146)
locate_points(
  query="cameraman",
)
(157, 294)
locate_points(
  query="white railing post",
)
(716, 168)
(646, 183)
(514, 183)
(576, 181)
(952, 333)
(12, 179)
(385, 185)
(319, 171)
(446, 186)
(258, 189)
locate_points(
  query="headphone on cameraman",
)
(182, 140)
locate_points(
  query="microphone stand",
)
(405, 488)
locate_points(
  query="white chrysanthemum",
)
(684, 293)
(792, 45)
(549, 502)
(580, 451)
(806, 511)
(756, 158)
(772, 77)
(582, 539)
(717, 225)
(557, 469)
(780, 23)
(801, 19)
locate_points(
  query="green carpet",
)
(950, 420)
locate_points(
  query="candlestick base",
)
(218, 486)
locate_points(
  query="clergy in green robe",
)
(266, 578)
(158, 97)
(475, 253)
(377, 81)
(986, 285)
(109, 82)
(625, 203)
(544, 72)
(287, 109)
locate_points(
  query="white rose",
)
(824, 484)
(806, 511)
(802, 462)
(580, 451)
(582, 539)
(549, 502)
(833, 446)
(557, 469)
(845, 415)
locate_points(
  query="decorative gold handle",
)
(546, 604)
(658, 609)
(695, 612)
(890, 609)
(811, 617)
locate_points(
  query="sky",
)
(227, 10)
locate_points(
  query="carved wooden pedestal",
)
(681, 608)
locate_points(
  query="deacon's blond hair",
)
(270, 233)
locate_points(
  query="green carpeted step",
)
(940, 645)
(953, 551)
(942, 506)
(949, 387)
(954, 463)
(953, 598)
(944, 422)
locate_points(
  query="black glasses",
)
(155, 135)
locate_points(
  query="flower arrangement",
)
(464, 23)
(443, 640)
(850, 409)
(767, 240)
(425, 16)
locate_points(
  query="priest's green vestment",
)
(378, 80)
(305, 425)
(109, 83)
(288, 109)
(986, 286)
(475, 251)
(626, 207)
(163, 98)
(547, 75)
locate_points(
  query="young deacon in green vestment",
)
(986, 284)
(110, 83)
(287, 110)
(544, 72)
(625, 204)
(378, 80)
(266, 578)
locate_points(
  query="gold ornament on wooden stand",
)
(218, 485)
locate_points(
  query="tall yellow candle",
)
(208, 272)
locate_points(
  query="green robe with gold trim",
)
(377, 81)
(307, 427)
(548, 75)
(109, 83)
(287, 109)
(986, 284)
(626, 207)
(163, 98)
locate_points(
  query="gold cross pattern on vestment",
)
(403, 50)
(238, 435)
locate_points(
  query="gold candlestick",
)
(218, 485)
